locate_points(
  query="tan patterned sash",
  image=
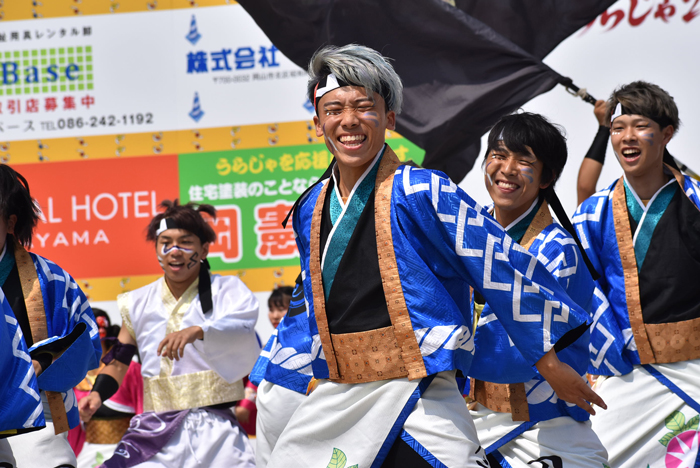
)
(106, 431)
(382, 354)
(31, 289)
(502, 398)
(658, 343)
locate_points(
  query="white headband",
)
(617, 113)
(331, 84)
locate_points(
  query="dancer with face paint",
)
(48, 340)
(643, 233)
(196, 338)
(388, 253)
(519, 419)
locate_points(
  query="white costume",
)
(209, 373)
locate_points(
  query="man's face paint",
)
(179, 253)
(638, 143)
(513, 181)
(373, 117)
(528, 173)
(193, 260)
(486, 171)
(329, 140)
(353, 124)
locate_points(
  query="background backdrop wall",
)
(110, 107)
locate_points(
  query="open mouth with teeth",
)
(352, 141)
(630, 154)
(176, 266)
(506, 186)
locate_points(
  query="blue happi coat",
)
(613, 350)
(497, 360)
(67, 310)
(286, 359)
(444, 242)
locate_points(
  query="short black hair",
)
(187, 217)
(280, 297)
(547, 141)
(15, 199)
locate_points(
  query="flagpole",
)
(574, 90)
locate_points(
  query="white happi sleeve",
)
(230, 345)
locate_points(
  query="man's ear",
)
(390, 120)
(667, 133)
(205, 250)
(319, 128)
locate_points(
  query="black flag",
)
(460, 75)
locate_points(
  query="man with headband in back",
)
(188, 390)
(388, 253)
(642, 233)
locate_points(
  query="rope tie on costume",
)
(551, 196)
(190, 426)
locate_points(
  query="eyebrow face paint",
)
(165, 251)
(372, 116)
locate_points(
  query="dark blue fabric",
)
(422, 451)
(499, 458)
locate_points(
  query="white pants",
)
(92, 455)
(573, 443)
(204, 440)
(38, 449)
(647, 424)
(276, 405)
(352, 421)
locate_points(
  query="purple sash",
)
(149, 432)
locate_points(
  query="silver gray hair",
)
(357, 65)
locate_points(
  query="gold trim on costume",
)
(368, 356)
(175, 393)
(389, 270)
(407, 355)
(542, 219)
(659, 343)
(625, 245)
(317, 287)
(36, 315)
(502, 398)
(106, 431)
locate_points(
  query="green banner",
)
(253, 190)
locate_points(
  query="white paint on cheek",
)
(489, 178)
(330, 140)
